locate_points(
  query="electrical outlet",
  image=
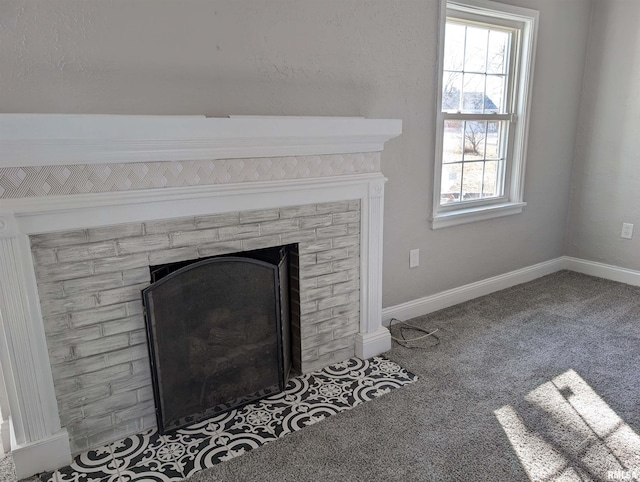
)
(414, 258)
(627, 231)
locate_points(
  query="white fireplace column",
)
(38, 441)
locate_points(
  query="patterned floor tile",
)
(92, 466)
(307, 400)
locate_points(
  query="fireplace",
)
(218, 333)
(89, 203)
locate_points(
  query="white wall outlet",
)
(627, 231)
(414, 258)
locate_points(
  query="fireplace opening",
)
(219, 332)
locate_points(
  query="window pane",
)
(452, 141)
(474, 139)
(473, 98)
(494, 100)
(472, 174)
(490, 186)
(475, 59)
(451, 88)
(454, 46)
(497, 52)
(494, 134)
(450, 187)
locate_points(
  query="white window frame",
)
(512, 202)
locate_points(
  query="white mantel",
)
(39, 442)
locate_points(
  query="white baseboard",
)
(372, 344)
(601, 270)
(41, 456)
(445, 299)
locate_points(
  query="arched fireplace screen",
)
(218, 333)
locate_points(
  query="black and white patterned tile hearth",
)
(307, 399)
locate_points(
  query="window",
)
(485, 76)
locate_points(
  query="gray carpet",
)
(536, 382)
(493, 351)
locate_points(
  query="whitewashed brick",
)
(333, 254)
(123, 325)
(97, 315)
(346, 218)
(346, 264)
(60, 354)
(117, 401)
(59, 272)
(78, 398)
(297, 211)
(332, 278)
(137, 337)
(145, 393)
(347, 286)
(352, 308)
(121, 263)
(121, 295)
(166, 226)
(131, 382)
(315, 270)
(322, 361)
(53, 307)
(173, 255)
(332, 231)
(103, 233)
(219, 248)
(279, 227)
(134, 307)
(335, 345)
(243, 231)
(194, 238)
(328, 208)
(261, 242)
(309, 353)
(217, 220)
(311, 222)
(259, 216)
(115, 432)
(101, 345)
(305, 260)
(55, 324)
(114, 373)
(354, 205)
(137, 411)
(332, 301)
(353, 229)
(315, 246)
(346, 330)
(331, 324)
(316, 293)
(150, 242)
(92, 284)
(308, 307)
(298, 237)
(50, 291)
(86, 251)
(43, 256)
(54, 240)
(136, 276)
(346, 241)
(89, 425)
(318, 316)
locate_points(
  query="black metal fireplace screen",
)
(218, 333)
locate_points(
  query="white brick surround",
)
(89, 282)
(72, 265)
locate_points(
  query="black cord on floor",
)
(404, 342)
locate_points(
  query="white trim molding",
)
(602, 270)
(52, 139)
(445, 299)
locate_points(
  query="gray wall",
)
(606, 187)
(372, 58)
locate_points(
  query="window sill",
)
(471, 215)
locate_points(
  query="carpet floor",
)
(536, 382)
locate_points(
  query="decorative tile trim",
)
(308, 399)
(21, 182)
